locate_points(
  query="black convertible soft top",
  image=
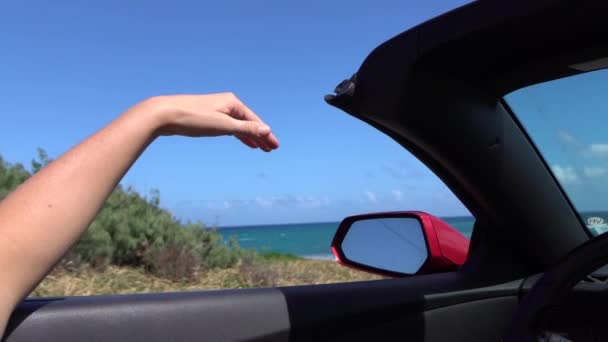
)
(497, 45)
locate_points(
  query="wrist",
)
(153, 114)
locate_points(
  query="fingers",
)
(253, 134)
(272, 141)
(253, 144)
(249, 142)
(238, 110)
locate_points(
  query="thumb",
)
(253, 129)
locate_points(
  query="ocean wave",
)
(319, 257)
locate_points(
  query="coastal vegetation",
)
(135, 245)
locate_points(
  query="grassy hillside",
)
(274, 272)
(134, 245)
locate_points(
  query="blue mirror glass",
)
(393, 244)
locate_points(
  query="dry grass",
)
(115, 280)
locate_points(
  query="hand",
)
(211, 115)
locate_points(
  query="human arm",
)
(47, 214)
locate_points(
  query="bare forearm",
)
(41, 219)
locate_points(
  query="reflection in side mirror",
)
(401, 243)
(370, 241)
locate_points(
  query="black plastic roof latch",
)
(344, 94)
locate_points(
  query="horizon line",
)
(313, 222)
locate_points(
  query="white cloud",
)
(593, 172)
(312, 201)
(210, 205)
(599, 150)
(566, 174)
(290, 201)
(371, 197)
(275, 202)
(567, 138)
(262, 202)
(397, 195)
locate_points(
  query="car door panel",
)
(350, 311)
(258, 314)
(480, 320)
(381, 309)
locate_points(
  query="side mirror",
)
(397, 244)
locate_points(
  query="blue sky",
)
(69, 67)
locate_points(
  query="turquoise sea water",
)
(310, 240)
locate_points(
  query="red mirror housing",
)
(447, 248)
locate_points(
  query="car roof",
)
(501, 45)
(437, 90)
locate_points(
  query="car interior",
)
(438, 90)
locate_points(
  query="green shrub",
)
(276, 256)
(133, 230)
(11, 176)
(94, 248)
(173, 261)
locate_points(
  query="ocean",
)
(308, 240)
